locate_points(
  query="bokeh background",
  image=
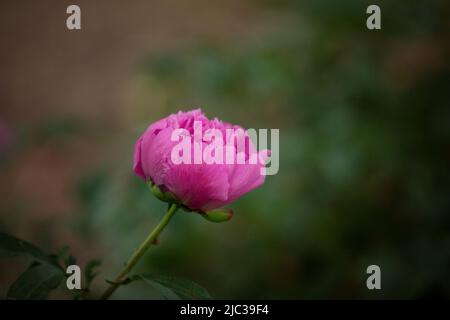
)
(364, 119)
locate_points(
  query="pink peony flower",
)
(200, 187)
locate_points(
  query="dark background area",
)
(364, 119)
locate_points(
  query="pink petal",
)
(155, 154)
(137, 163)
(199, 186)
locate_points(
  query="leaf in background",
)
(70, 260)
(173, 288)
(63, 252)
(89, 271)
(36, 282)
(11, 246)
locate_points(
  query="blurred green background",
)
(364, 119)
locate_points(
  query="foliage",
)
(173, 288)
(45, 274)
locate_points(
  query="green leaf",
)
(173, 288)
(63, 252)
(36, 282)
(89, 271)
(65, 257)
(11, 246)
(70, 260)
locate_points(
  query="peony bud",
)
(200, 187)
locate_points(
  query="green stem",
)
(140, 251)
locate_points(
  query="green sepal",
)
(163, 196)
(219, 215)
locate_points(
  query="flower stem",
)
(121, 277)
